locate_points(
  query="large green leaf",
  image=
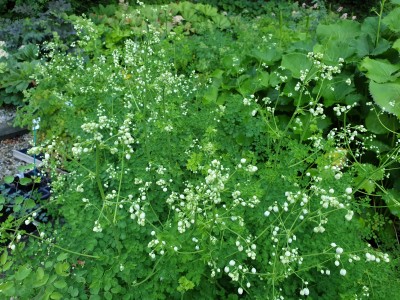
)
(296, 62)
(334, 91)
(267, 55)
(387, 96)
(207, 10)
(370, 26)
(344, 30)
(381, 124)
(333, 50)
(211, 94)
(392, 20)
(379, 70)
(392, 199)
(253, 84)
(221, 21)
(376, 145)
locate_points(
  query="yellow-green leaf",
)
(3, 258)
(23, 272)
(56, 296)
(60, 284)
(62, 268)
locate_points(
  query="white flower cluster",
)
(90, 127)
(125, 137)
(318, 110)
(237, 200)
(195, 200)
(237, 272)
(156, 246)
(377, 257)
(290, 255)
(249, 168)
(339, 110)
(326, 71)
(304, 292)
(138, 206)
(215, 179)
(97, 226)
(247, 101)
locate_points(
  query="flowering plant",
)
(176, 190)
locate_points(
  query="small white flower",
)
(337, 263)
(338, 176)
(339, 250)
(232, 263)
(349, 190)
(240, 291)
(349, 215)
(304, 292)
(343, 272)
(252, 169)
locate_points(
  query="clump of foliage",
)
(254, 178)
(43, 21)
(16, 73)
(20, 40)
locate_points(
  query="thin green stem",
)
(119, 185)
(59, 247)
(153, 271)
(98, 180)
(378, 32)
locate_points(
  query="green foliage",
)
(209, 163)
(19, 44)
(15, 76)
(45, 18)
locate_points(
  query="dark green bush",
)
(35, 24)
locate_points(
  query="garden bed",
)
(212, 156)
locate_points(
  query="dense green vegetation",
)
(213, 152)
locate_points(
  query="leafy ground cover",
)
(213, 156)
